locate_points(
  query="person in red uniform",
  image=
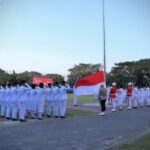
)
(113, 96)
(129, 95)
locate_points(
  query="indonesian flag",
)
(89, 85)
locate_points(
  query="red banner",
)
(45, 81)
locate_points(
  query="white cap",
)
(129, 83)
(114, 84)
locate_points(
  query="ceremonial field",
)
(82, 130)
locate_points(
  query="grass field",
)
(69, 113)
(142, 143)
(77, 113)
(82, 99)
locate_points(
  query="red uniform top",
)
(113, 92)
(129, 91)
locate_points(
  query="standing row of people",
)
(133, 97)
(21, 100)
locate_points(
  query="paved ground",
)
(83, 133)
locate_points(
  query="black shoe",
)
(63, 117)
(7, 118)
(134, 107)
(14, 119)
(21, 120)
(32, 117)
(40, 118)
(48, 116)
(56, 117)
(2, 116)
(75, 105)
(120, 109)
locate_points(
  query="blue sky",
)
(51, 36)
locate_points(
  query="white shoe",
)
(113, 110)
(129, 108)
(101, 114)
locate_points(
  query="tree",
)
(55, 77)
(135, 71)
(3, 76)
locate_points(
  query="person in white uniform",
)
(135, 96)
(49, 99)
(40, 100)
(141, 97)
(63, 99)
(0, 96)
(120, 98)
(15, 99)
(8, 100)
(148, 97)
(56, 92)
(33, 100)
(23, 101)
(3, 100)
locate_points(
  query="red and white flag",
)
(89, 85)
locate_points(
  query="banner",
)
(45, 81)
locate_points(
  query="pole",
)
(104, 43)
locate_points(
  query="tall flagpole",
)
(104, 47)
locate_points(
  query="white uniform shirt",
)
(8, 94)
(49, 94)
(56, 93)
(3, 94)
(15, 93)
(63, 93)
(135, 92)
(23, 93)
(32, 94)
(40, 93)
(0, 95)
(120, 93)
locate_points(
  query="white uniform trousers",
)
(40, 108)
(3, 108)
(135, 101)
(22, 112)
(148, 101)
(14, 109)
(120, 102)
(141, 101)
(8, 109)
(49, 107)
(33, 107)
(114, 103)
(56, 107)
(129, 98)
(63, 105)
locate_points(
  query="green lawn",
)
(142, 143)
(76, 113)
(82, 99)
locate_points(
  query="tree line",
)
(27, 76)
(122, 73)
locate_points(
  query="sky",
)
(51, 36)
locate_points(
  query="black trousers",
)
(102, 103)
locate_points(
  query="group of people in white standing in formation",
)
(16, 101)
(133, 96)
